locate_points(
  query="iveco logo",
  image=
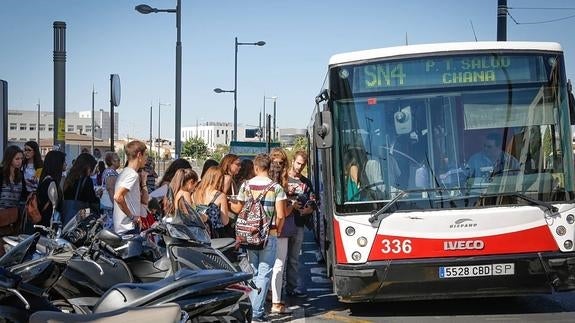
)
(463, 245)
(463, 223)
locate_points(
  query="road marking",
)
(310, 263)
(333, 316)
(298, 314)
(310, 290)
(320, 280)
(318, 271)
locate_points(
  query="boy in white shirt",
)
(130, 190)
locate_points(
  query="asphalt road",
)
(321, 305)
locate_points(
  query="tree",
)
(195, 148)
(300, 143)
(220, 152)
(547, 145)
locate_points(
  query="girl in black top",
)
(51, 173)
(78, 181)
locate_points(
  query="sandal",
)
(279, 308)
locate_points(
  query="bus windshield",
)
(451, 130)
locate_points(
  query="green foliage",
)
(300, 143)
(220, 152)
(547, 143)
(195, 148)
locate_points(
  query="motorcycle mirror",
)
(53, 194)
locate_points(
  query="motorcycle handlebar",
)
(108, 248)
(100, 256)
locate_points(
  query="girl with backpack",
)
(267, 198)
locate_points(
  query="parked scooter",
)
(18, 300)
(86, 280)
(169, 313)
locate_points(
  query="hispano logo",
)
(463, 223)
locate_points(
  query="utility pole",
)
(501, 20)
(59, 85)
(274, 135)
(38, 124)
(151, 106)
(93, 128)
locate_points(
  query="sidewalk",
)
(317, 286)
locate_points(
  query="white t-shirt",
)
(130, 180)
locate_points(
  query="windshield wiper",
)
(548, 206)
(381, 211)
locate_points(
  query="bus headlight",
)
(568, 244)
(570, 218)
(561, 230)
(350, 231)
(356, 256)
(362, 241)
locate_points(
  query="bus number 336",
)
(396, 246)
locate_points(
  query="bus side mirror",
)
(322, 130)
(571, 102)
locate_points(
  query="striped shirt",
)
(257, 185)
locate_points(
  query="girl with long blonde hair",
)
(211, 201)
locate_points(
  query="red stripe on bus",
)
(537, 239)
(339, 249)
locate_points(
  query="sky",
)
(109, 37)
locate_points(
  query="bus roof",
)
(416, 50)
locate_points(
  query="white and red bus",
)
(445, 170)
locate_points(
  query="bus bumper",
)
(420, 279)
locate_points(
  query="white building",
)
(23, 125)
(219, 133)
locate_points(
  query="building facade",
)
(221, 133)
(24, 125)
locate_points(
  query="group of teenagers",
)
(130, 199)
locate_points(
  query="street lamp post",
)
(265, 116)
(38, 124)
(160, 104)
(235, 90)
(145, 9)
(151, 142)
(93, 93)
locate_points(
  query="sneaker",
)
(262, 318)
(296, 293)
(279, 308)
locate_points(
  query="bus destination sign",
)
(447, 71)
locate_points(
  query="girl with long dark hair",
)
(12, 187)
(50, 176)
(32, 165)
(78, 187)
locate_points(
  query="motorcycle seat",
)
(169, 312)
(223, 243)
(138, 294)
